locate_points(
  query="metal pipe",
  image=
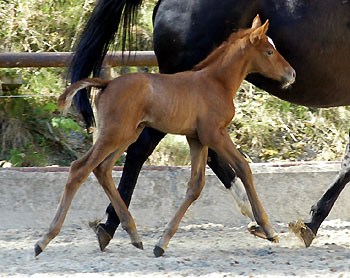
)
(63, 59)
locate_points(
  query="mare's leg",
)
(308, 230)
(137, 154)
(199, 155)
(220, 142)
(79, 172)
(228, 177)
(236, 188)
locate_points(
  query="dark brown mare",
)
(314, 36)
(197, 103)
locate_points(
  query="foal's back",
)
(171, 103)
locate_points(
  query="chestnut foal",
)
(197, 103)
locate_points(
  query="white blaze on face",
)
(271, 42)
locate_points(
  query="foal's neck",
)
(231, 68)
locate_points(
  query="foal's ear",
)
(266, 26)
(257, 34)
(256, 22)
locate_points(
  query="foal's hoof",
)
(274, 239)
(103, 236)
(158, 251)
(138, 245)
(37, 249)
(302, 231)
(256, 230)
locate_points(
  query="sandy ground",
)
(207, 244)
(209, 250)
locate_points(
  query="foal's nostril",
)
(289, 77)
(293, 74)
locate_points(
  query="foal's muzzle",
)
(288, 78)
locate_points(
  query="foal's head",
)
(265, 58)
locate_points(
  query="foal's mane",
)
(221, 49)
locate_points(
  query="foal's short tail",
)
(65, 100)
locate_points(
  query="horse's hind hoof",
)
(103, 236)
(138, 245)
(37, 249)
(158, 251)
(302, 231)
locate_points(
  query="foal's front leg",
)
(232, 183)
(199, 155)
(221, 142)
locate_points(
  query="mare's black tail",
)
(94, 42)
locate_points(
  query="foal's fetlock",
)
(134, 236)
(271, 234)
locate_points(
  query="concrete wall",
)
(287, 191)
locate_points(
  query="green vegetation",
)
(33, 132)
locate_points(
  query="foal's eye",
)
(269, 52)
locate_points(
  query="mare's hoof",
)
(138, 245)
(256, 230)
(158, 251)
(37, 249)
(103, 236)
(302, 231)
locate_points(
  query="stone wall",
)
(29, 197)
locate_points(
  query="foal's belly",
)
(174, 124)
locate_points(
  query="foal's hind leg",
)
(104, 175)
(199, 155)
(79, 172)
(137, 154)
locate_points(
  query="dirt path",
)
(212, 240)
(208, 250)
